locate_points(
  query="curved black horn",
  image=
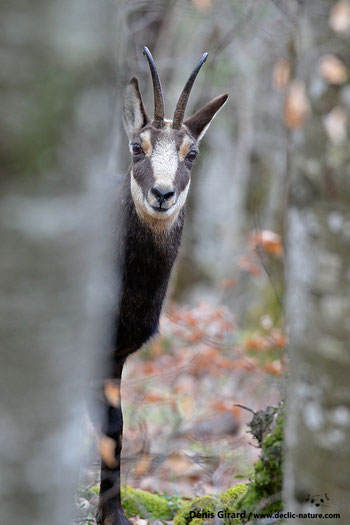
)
(157, 89)
(183, 99)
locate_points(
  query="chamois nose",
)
(162, 195)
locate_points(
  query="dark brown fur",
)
(148, 259)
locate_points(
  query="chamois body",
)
(151, 202)
(147, 259)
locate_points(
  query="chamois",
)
(152, 200)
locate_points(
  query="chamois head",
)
(163, 151)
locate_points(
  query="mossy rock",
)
(229, 500)
(141, 503)
(204, 505)
(230, 497)
(209, 507)
(138, 502)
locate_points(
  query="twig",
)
(245, 407)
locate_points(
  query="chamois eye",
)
(136, 149)
(192, 156)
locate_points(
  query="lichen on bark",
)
(264, 492)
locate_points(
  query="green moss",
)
(210, 506)
(197, 521)
(95, 489)
(229, 501)
(230, 497)
(138, 502)
(144, 504)
(207, 504)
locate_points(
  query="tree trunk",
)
(57, 103)
(318, 279)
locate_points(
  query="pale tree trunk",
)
(57, 83)
(317, 432)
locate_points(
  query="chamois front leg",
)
(110, 510)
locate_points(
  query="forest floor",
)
(183, 434)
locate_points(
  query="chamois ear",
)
(199, 123)
(134, 114)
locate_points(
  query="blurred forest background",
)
(271, 186)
